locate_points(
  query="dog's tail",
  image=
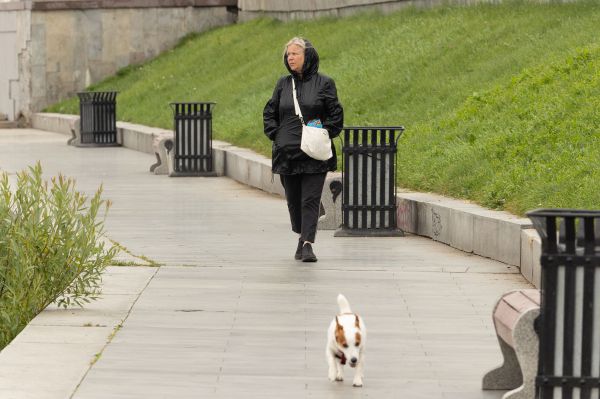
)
(343, 304)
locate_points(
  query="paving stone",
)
(232, 314)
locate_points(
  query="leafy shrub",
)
(50, 247)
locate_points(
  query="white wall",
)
(14, 36)
(9, 66)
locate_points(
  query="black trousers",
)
(303, 195)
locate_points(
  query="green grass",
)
(499, 100)
(508, 149)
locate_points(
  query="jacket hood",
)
(311, 62)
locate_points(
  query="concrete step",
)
(8, 125)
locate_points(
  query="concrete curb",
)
(51, 356)
(470, 228)
(460, 224)
(531, 251)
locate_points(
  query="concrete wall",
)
(307, 9)
(14, 37)
(56, 48)
(286, 10)
(8, 61)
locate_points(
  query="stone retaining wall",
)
(13, 41)
(52, 49)
(293, 10)
(286, 10)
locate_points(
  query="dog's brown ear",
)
(356, 323)
(340, 337)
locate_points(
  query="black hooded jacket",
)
(317, 97)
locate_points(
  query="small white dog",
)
(346, 339)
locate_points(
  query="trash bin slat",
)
(374, 199)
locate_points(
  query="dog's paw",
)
(332, 377)
(335, 377)
(357, 383)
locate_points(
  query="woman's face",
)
(295, 57)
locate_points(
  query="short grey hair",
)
(298, 41)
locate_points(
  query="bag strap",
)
(296, 105)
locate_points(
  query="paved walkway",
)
(232, 314)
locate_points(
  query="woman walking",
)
(302, 177)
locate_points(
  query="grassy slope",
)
(420, 68)
(532, 142)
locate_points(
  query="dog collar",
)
(340, 355)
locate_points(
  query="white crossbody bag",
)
(315, 140)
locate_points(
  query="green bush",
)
(50, 247)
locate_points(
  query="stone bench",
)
(330, 210)
(514, 317)
(162, 145)
(75, 129)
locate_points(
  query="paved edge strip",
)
(115, 329)
(471, 228)
(74, 337)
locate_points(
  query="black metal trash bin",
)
(369, 181)
(98, 118)
(569, 321)
(193, 138)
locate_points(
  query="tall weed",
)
(50, 247)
